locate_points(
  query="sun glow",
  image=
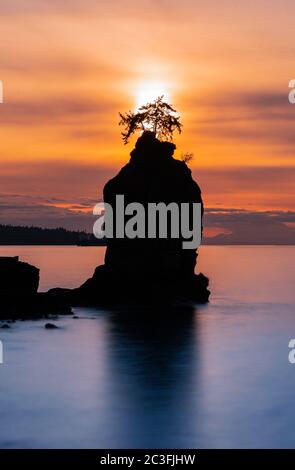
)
(148, 91)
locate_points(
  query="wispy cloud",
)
(256, 116)
(259, 187)
(55, 110)
(246, 227)
(46, 212)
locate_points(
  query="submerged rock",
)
(50, 326)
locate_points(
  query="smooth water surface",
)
(215, 376)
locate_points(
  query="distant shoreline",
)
(11, 235)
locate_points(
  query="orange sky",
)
(68, 67)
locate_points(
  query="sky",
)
(69, 66)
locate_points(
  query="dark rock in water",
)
(50, 326)
(33, 306)
(60, 293)
(19, 297)
(17, 278)
(5, 326)
(148, 270)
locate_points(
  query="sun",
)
(148, 91)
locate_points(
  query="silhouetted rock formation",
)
(137, 270)
(18, 290)
(17, 278)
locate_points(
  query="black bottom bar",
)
(134, 459)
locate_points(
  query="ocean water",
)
(215, 376)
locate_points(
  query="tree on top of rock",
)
(158, 117)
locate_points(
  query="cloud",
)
(112, 8)
(248, 186)
(233, 186)
(43, 212)
(18, 7)
(55, 179)
(246, 227)
(55, 110)
(258, 116)
(243, 98)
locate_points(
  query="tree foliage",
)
(187, 157)
(158, 117)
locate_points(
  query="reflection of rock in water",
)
(153, 367)
(145, 269)
(157, 334)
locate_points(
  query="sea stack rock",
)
(143, 269)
